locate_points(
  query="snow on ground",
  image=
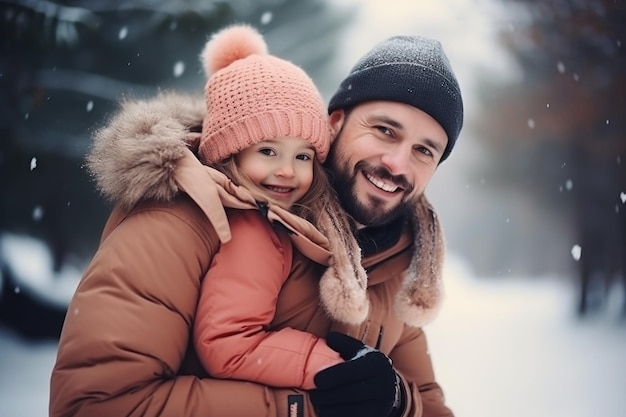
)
(513, 347)
(24, 376)
(501, 347)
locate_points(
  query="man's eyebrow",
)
(377, 118)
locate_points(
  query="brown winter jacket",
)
(126, 349)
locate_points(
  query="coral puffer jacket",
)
(126, 347)
(232, 333)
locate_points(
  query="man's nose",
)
(397, 160)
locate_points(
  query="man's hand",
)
(366, 385)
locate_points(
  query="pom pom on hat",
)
(252, 96)
(230, 45)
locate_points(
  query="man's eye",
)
(424, 150)
(384, 130)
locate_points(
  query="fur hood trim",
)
(134, 156)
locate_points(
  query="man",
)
(125, 348)
(395, 118)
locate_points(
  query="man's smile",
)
(390, 188)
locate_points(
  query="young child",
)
(267, 130)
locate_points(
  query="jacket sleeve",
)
(412, 360)
(237, 304)
(128, 326)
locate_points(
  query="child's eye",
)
(304, 157)
(267, 151)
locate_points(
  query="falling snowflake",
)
(37, 213)
(266, 18)
(123, 33)
(179, 69)
(576, 252)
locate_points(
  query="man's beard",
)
(373, 213)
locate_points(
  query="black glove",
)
(366, 385)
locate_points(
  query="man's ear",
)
(336, 119)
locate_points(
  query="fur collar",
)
(144, 152)
(135, 155)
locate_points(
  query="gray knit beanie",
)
(407, 69)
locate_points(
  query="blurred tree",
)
(559, 133)
(64, 66)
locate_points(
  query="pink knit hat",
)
(252, 96)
